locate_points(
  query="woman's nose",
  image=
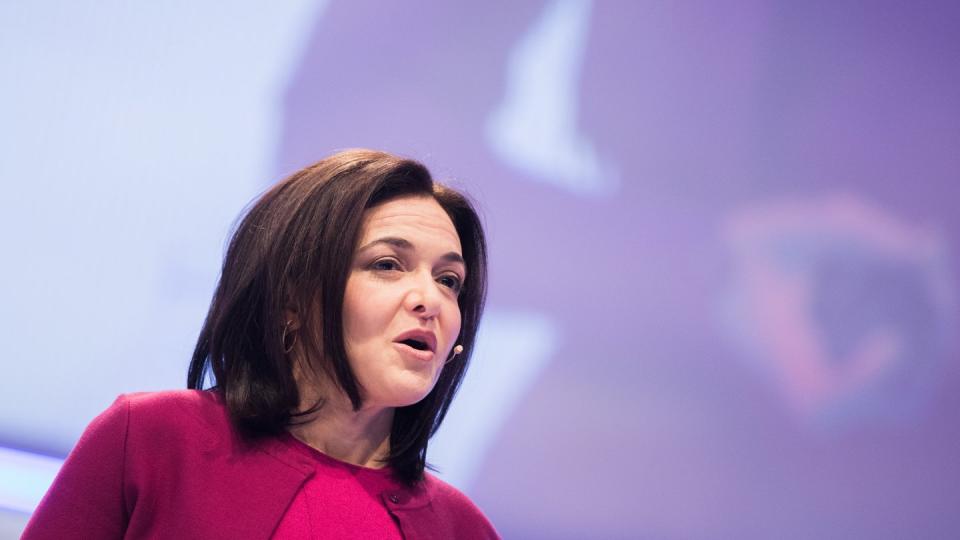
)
(423, 298)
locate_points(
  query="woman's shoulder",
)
(190, 401)
(456, 508)
(171, 413)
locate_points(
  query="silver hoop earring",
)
(283, 339)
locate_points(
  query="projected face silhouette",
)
(609, 144)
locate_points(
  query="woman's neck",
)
(358, 437)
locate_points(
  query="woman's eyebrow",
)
(404, 244)
(394, 241)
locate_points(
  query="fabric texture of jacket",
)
(170, 465)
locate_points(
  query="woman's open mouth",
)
(418, 350)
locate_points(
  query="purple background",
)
(649, 421)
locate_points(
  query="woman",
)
(338, 335)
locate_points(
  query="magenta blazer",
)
(170, 465)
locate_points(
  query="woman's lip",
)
(424, 356)
(419, 334)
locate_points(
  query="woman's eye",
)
(451, 282)
(385, 265)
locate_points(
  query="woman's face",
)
(400, 311)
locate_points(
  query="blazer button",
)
(394, 499)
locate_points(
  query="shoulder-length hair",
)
(293, 251)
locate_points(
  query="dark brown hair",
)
(293, 250)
